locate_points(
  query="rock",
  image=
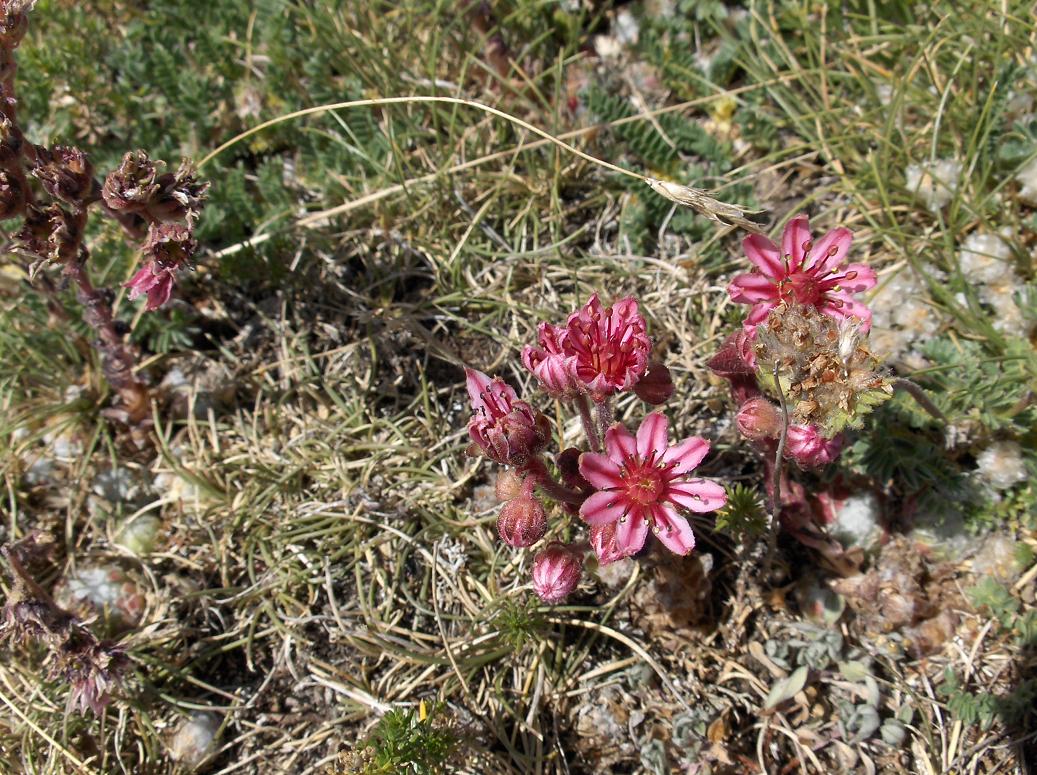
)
(194, 742)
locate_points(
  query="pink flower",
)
(507, 430)
(643, 481)
(600, 351)
(550, 363)
(169, 247)
(155, 281)
(803, 272)
(806, 445)
(556, 572)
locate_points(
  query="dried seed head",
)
(12, 198)
(132, 186)
(830, 378)
(65, 173)
(14, 21)
(180, 196)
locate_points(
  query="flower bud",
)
(656, 386)
(735, 358)
(508, 486)
(522, 522)
(603, 542)
(556, 572)
(568, 462)
(806, 445)
(759, 419)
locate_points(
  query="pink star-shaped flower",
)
(804, 272)
(600, 351)
(643, 481)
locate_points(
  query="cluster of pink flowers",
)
(627, 485)
(801, 272)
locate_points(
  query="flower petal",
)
(686, 455)
(653, 436)
(764, 255)
(631, 533)
(842, 305)
(752, 287)
(477, 383)
(697, 495)
(603, 507)
(602, 472)
(758, 313)
(831, 249)
(794, 240)
(619, 443)
(160, 292)
(673, 530)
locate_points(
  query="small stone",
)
(857, 521)
(997, 558)
(194, 741)
(139, 535)
(935, 184)
(102, 590)
(1002, 465)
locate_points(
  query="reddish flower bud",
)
(806, 445)
(603, 542)
(556, 572)
(735, 358)
(508, 486)
(656, 386)
(522, 522)
(550, 364)
(759, 419)
(507, 430)
(568, 462)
